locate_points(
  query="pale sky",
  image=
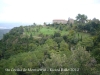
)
(39, 11)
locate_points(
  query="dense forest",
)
(52, 49)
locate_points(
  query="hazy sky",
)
(39, 11)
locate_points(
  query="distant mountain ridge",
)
(6, 25)
(3, 31)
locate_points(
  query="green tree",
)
(57, 34)
(57, 61)
(58, 39)
(34, 24)
(52, 44)
(63, 46)
(83, 61)
(81, 18)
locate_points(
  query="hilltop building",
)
(70, 20)
(60, 21)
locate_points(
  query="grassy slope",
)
(84, 35)
(51, 30)
(45, 30)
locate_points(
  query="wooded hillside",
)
(57, 49)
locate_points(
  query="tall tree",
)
(81, 18)
(83, 60)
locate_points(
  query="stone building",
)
(70, 20)
(60, 21)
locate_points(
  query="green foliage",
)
(52, 46)
(33, 60)
(58, 39)
(82, 60)
(81, 18)
(57, 34)
(63, 46)
(55, 62)
(96, 48)
(88, 42)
